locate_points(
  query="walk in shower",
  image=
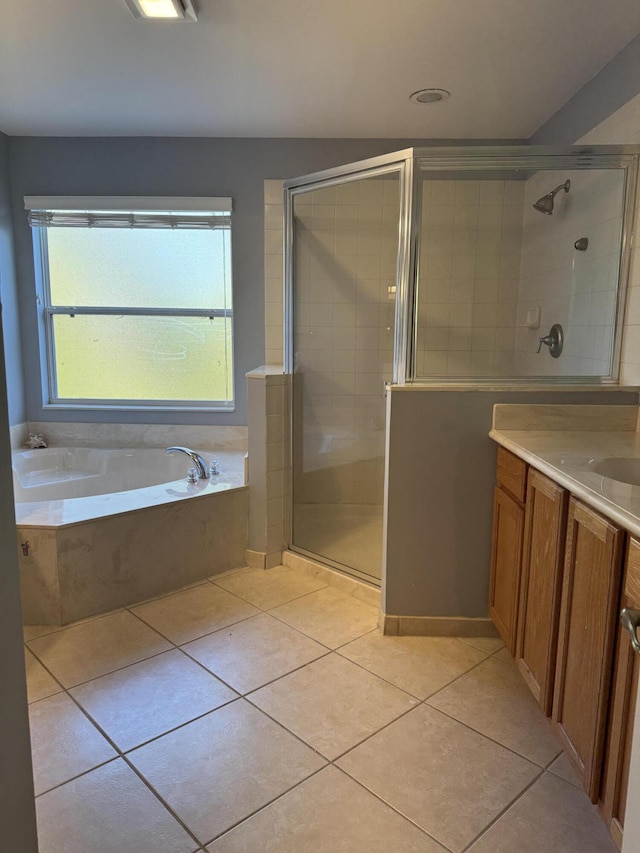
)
(444, 266)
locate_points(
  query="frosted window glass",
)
(143, 358)
(143, 268)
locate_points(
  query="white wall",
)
(574, 288)
(623, 127)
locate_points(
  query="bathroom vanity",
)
(565, 561)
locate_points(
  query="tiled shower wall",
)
(623, 127)
(574, 288)
(273, 271)
(468, 283)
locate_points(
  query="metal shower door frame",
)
(401, 163)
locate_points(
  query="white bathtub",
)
(99, 529)
(66, 485)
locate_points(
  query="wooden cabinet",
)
(613, 795)
(541, 585)
(588, 617)
(506, 547)
(555, 597)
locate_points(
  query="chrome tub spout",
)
(198, 461)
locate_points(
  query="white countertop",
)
(564, 457)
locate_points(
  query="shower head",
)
(545, 204)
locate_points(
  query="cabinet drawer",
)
(512, 474)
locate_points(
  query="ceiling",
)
(298, 68)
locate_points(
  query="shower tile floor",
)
(261, 712)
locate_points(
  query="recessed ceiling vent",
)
(429, 96)
(163, 10)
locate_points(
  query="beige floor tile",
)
(325, 814)
(485, 644)
(186, 615)
(332, 704)
(91, 649)
(108, 810)
(64, 743)
(448, 779)
(221, 768)
(562, 767)
(505, 654)
(149, 698)
(419, 665)
(254, 652)
(271, 587)
(39, 683)
(552, 816)
(30, 632)
(328, 616)
(494, 700)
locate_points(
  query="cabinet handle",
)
(630, 620)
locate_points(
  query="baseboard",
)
(435, 626)
(262, 559)
(350, 586)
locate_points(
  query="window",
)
(135, 302)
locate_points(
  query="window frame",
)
(47, 311)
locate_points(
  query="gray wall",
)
(9, 294)
(613, 86)
(17, 810)
(149, 166)
(441, 469)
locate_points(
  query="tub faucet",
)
(197, 460)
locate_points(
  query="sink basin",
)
(624, 469)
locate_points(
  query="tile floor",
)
(261, 712)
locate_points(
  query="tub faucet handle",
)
(214, 468)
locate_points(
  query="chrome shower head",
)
(545, 204)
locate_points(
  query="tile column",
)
(269, 465)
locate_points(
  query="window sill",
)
(136, 407)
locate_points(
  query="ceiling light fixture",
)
(429, 96)
(163, 10)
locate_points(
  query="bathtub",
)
(100, 528)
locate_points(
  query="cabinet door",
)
(541, 585)
(506, 555)
(615, 778)
(590, 593)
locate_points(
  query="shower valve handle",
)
(554, 340)
(547, 340)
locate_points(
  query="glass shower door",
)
(345, 258)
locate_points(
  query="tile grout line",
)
(468, 726)
(123, 756)
(265, 805)
(282, 603)
(496, 742)
(495, 820)
(392, 807)
(339, 646)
